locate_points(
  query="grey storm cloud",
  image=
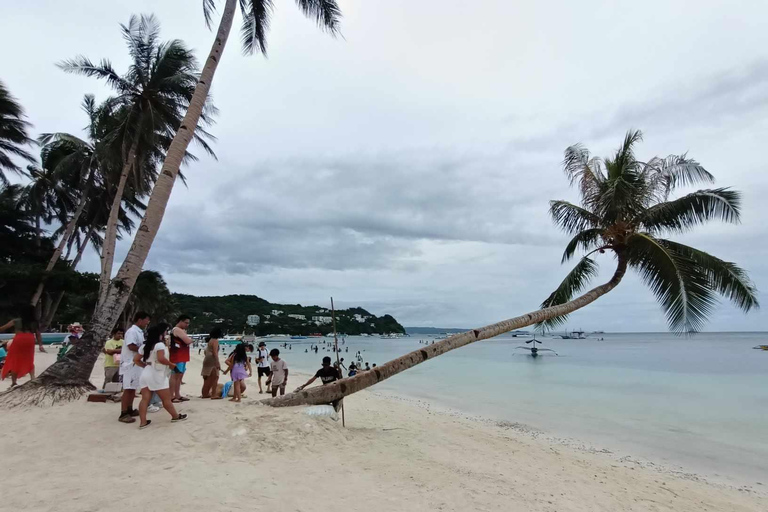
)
(407, 167)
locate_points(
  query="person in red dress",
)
(21, 350)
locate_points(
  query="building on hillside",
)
(297, 317)
(207, 313)
(253, 320)
(322, 310)
(220, 320)
(360, 318)
(277, 312)
(322, 319)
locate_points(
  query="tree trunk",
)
(339, 389)
(64, 239)
(68, 379)
(49, 314)
(110, 237)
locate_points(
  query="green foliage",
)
(13, 135)
(230, 312)
(626, 209)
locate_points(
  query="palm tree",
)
(78, 163)
(151, 100)
(13, 135)
(150, 294)
(625, 210)
(68, 378)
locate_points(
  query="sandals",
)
(180, 417)
(141, 427)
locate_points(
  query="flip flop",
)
(176, 401)
(184, 399)
(180, 417)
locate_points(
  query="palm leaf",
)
(726, 278)
(586, 239)
(572, 218)
(692, 210)
(678, 283)
(573, 283)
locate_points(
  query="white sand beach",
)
(393, 455)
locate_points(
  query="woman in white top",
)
(155, 374)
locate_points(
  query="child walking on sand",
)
(240, 369)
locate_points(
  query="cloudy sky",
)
(406, 166)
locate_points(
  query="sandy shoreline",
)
(396, 454)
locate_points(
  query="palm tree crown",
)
(626, 209)
(258, 13)
(13, 135)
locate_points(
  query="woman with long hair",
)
(155, 375)
(211, 365)
(20, 360)
(240, 369)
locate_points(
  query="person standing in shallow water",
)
(211, 365)
(180, 343)
(20, 360)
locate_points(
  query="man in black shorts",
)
(262, 358)
(326, 374)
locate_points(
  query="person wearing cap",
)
(262, 358)
(326, 374)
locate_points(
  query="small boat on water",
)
(761, 347)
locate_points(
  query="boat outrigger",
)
(534, 349)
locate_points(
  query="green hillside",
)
(231, 312)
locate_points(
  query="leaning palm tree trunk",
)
(68, 232)
(68, 378)
(339, 389)
(110, 237)
(47, 318)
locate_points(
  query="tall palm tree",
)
(78, 163)
(152, 97)
(13, 135)
(625, 210)
(68, 378)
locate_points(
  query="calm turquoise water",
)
(699, 404)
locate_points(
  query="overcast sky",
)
(406, 166)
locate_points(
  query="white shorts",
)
(154, 379)
(131, 376)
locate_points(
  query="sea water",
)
(695, 404)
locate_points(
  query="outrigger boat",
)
(534, 349)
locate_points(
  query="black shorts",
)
(264, 371)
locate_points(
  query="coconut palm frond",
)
(573, 283)
(694, 209)
(257, 15)
(585, 240)
(681, 287)
(326, 13)
(571, 218)
(726, 278)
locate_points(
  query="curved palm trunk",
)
(339, 389)
(69, 378)
(64, 239)
(110, 237)
(51, 312)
